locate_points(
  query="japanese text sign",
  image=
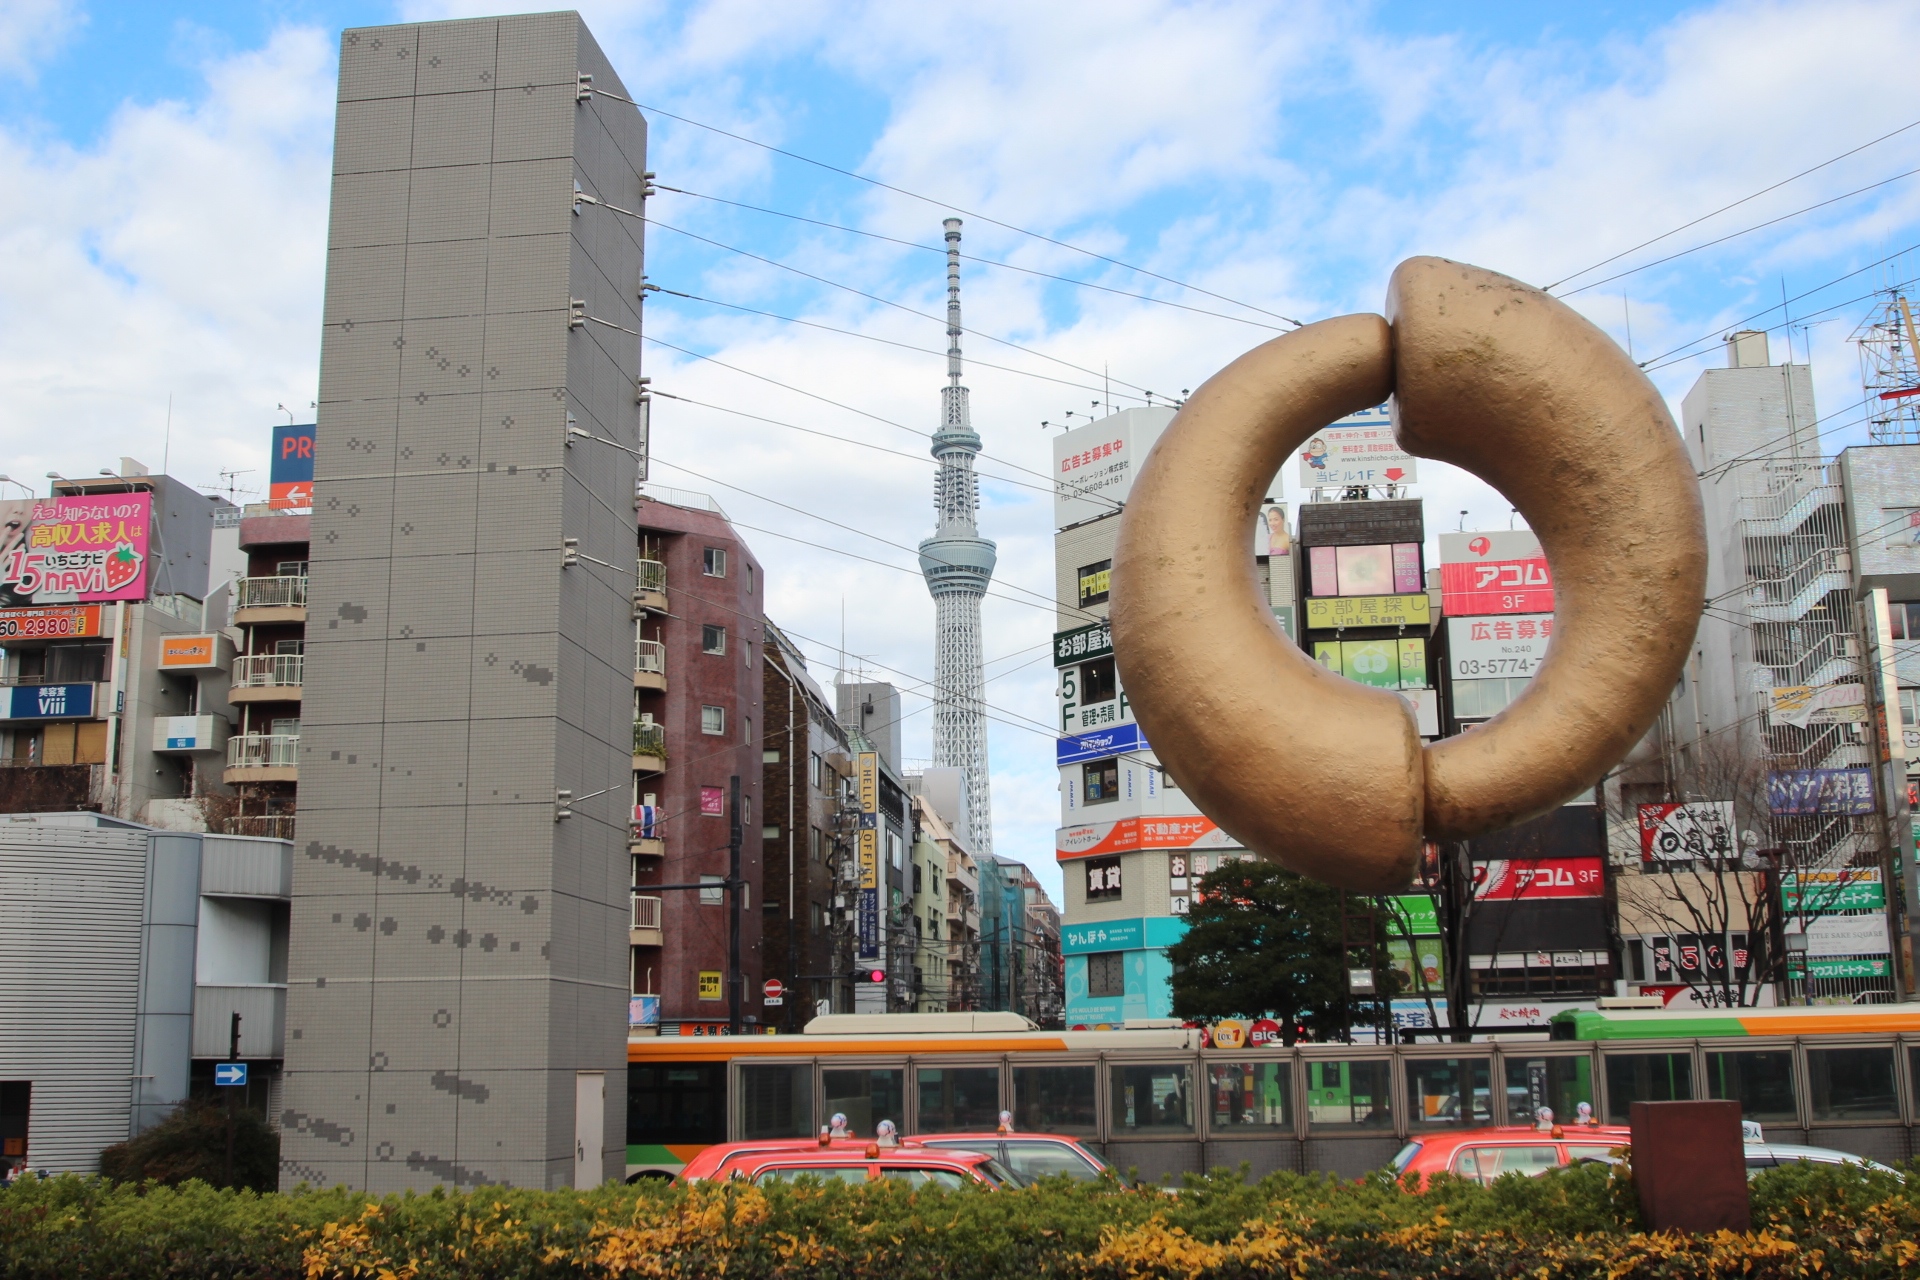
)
(74, 549)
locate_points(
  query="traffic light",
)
(870, 975)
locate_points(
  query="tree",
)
(192, 1143)
(1262, 941)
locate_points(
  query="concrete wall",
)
(458, 954)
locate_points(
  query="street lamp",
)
(22, 484)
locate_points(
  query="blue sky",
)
(163, 188)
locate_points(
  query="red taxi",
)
(846, 1162)
(1485, 1154)
(1027, 1156)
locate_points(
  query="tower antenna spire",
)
(958, 564)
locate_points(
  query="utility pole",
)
(733, 910)
(233, 1055)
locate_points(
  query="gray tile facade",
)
(458, 954)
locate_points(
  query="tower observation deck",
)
(958, 565)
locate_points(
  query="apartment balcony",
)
(274, 826)
(645, 928)
(649, 747)
(649, 664)
(263, 1020)
(262, 757)
(268, 677)
(257, 601)
(651, 593)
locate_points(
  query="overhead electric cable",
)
(1735, 235)
(947, 204)
(1736, 204)
(891, 342)
(985, 262)
(874, 297)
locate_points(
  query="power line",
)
(874, 297)
(811, 395)
(1734, 235)
(969, 257)
(972, 362)
(1736, 204)
(949, 205)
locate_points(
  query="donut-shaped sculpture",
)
(1327, 777)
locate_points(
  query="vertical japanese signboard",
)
(74, 550)
(867, 775)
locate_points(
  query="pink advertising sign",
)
(74, 550)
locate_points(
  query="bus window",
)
(958, 1099)
(1646, 1077)
(1152, 1099)
(1559, 1084)
(776, 1102)
(1250, 1095)
(1054, 1100)
(1351, 1095)
(1760, 1080)
(676, 1104)
(866, 1097)
(1455, 1091)
(1852, 1084)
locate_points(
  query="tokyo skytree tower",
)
(958, 564)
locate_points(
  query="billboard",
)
(1830, 935)
(1845, 889)
(1803, 705)
(1383, 664)
(1116, 741)
(1337, 612)
(189, 651)
(867, 850)
(74, 550)
(1377, 569)
(1186, 831)
(1492, 648)
(1493, 573)
(1357, 450)
(290, 476)
(1082, 644)
(1094, 465)
(1683, 832)
(1820, 791)
(1509, 880)
(52, 622)
(50, 702)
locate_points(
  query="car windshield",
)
(1035, 1160)
(1405, 1158)
(827, 1173)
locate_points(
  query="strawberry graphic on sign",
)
(123, 566)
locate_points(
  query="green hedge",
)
(1808, 1221)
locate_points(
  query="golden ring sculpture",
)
(1328, 777)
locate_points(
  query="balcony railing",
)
(263, 751)
(650, 656)
(653, 576)
(276, 826)
(649, 740)
(271, 593)
(269, 670)
(646, 912)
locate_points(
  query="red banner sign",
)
(50, 622)
(1496, 586)
(1529, 879)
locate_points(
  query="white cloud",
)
(31, 31)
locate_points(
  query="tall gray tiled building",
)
(458, 969)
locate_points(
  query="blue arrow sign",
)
(226, 1073)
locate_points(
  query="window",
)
(1646, 1077)
(289, 646)
(958, 1099)
(1053, 1100)
(1354, 1094)
(816, 842)
(749, 579)
(1852, 1084)
(866, 1097)
(713, 720)
(1561, 1084)
(813, 770)
(746, 733)
(770, 832)
(1454, 1091)
(1245, 1095)
(714, 896)
(770, 756)
(1905, 618)
(290, 569)
(1152, 1098)
(683, 1102)
(713, 562)
(1484, 1164)
(893, 850)
(1103, 879)
(917, 886)
(1101, 778)
(1095, 581)
(776, 1102)
(1760, 1081)
(816, 915)
(1107, 973)
(1097, 682)
(713, 639)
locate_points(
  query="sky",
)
(1211, 167)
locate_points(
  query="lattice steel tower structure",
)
(958, 564)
